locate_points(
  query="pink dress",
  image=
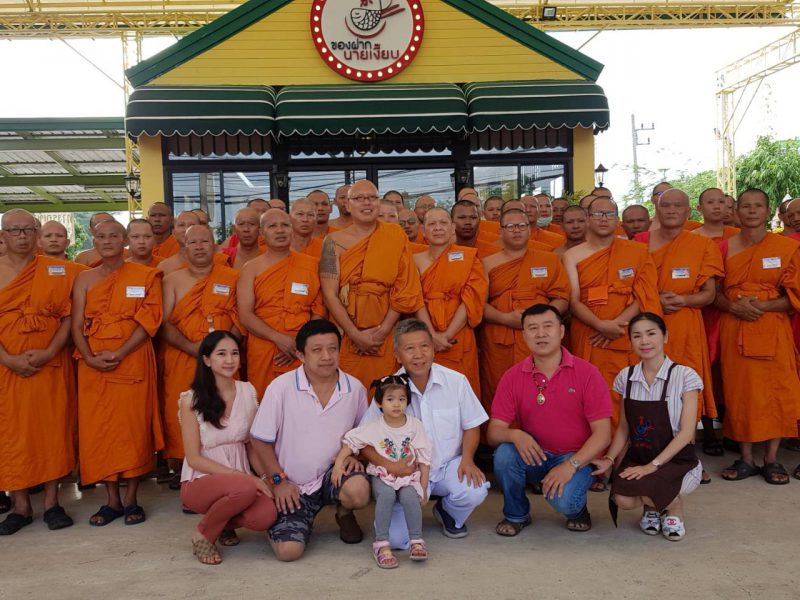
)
(226, 446)
(407, 443)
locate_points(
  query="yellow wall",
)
(583, 160)
(151, 170)
(278, 51)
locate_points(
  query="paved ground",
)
(742, 542)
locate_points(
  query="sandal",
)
(57, 518)
(206, 552)
(598, 485)
(228, 538)
(796, 473)
(581, 523)
(508, 528)
(713, 448)
(792, 444)
(383, 555)
(14, 522)
(742, 469)
(418, 552)
(349, 529)
(104, 516)
(672, 528)
(134, 514)
(774, 474)
(705, 478)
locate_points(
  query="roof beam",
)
(56, 144)
(45, 180)
(42, 193)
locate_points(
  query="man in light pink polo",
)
(297, 433)
(563, 408)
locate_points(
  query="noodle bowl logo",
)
(367, 40)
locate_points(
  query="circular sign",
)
(367, 40)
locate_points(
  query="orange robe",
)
(154, 261)
(549, 239)
(209, 305)
(167, 248)
(758, 359)
(683, 266)
(377, 274)
(314, 248)
(536, 277)
(488, 231)
(555, 228)
(691, 225)
(420, 238)
(287, 296)
(118, 417)
(38, 424)
(457, 277)
(99, 261)
(611, 280)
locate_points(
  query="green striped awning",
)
(370, 109)
(536, 104)
(171, 110)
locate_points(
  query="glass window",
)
(412, 183)
(543, 178)
(499, 180)
(198, 190)
(302, 183)
(241, 187)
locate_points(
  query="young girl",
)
(659, 466)
(397, 437)
(216, 480)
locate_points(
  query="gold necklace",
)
(540, 397)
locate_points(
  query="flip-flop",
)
(583, 518)
(106, 513)
(14, 522)
(770, 470)
(743, 470)
(515, 527)
(134, 510)
(57, 518)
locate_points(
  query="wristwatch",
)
(278, 477)
(656, 463)
(575, 463)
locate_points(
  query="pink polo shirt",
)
(575, 396)
(307, 437)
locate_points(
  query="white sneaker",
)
(650, 523)
(672, 528)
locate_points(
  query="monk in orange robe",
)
(161, 218)
(303, 218)
(411, 225)
(518, 278)
(247, 229)
(712, 205)
(454, 289)
(177, 260)
(545, 221)
(492, 209)
(612, 280)
(90, 257)
(758, 357)
(323, 209)
(278, 292)
(687, 267)
(197, 300)
(537, 234)
(340, 200)
(116, 312)
(54, 240)
(635, 220)
(141, 242)
(37, 429)
(368, 280)
(422, 205)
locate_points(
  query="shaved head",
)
(18, 215)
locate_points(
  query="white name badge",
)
(300, 289)
(455, 256)
(537, 272)
(773, 262)
(626, 273)
(57, 270)
(134, 291)
(222, 289)
(681, 273)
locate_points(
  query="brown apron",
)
(649, 432)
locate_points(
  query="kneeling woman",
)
(653, 447)
(216, 480)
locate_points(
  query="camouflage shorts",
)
(297, 526)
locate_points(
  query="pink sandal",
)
(418, 552)
(383, 555)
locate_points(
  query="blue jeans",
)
(513, 475)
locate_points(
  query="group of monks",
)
(104, 345)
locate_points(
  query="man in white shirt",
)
(451, 413)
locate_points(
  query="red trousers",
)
(228, 501)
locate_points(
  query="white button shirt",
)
(447, 407)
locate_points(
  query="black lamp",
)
(133, 184)
(600, 174)
(549, 13)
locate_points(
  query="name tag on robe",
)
(222, 289)
(300, 289)
(134, 291)
(455, 256)
(537, 272)
(57, 270)
(773, 262)
(626, 273)
(681, 273)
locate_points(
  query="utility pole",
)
(635, 143)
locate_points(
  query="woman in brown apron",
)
(655, 465)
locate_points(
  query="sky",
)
(665, 77)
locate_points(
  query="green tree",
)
(80, 239)
(773, 166)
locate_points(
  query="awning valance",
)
(229, 110)
(536, 104)
(370, 109)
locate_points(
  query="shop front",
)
(281, 97)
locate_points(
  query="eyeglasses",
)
(599, 214)
(411, 222)
(515, 226)
(364, 198)
(18, 231)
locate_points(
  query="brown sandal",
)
(206, 552)
(513, 528)
(228, 538)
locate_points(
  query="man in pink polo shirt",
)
(563, 408)
(296, 434)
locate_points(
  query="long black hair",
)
(647, 316)
(207, 399)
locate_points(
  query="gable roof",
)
(253, 11)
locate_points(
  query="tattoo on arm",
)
(328, 262)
